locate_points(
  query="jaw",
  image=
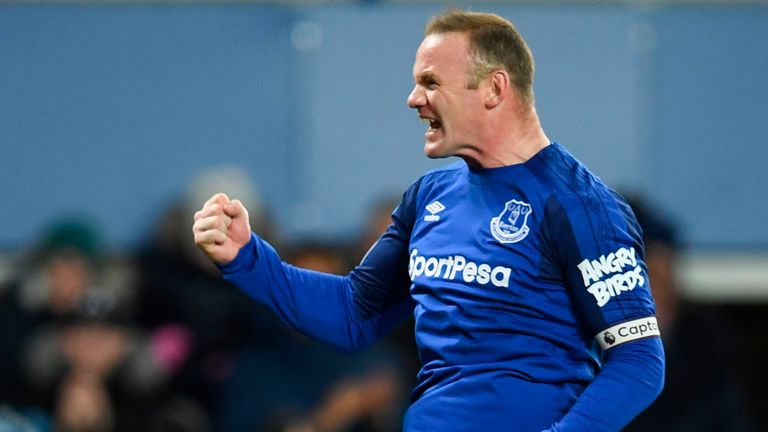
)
(432, 151)
(434, 140)
(440, 149)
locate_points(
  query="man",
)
(516, 262)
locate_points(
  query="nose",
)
(416, 99)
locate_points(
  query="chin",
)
(434, 151)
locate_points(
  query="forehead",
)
(442, 53)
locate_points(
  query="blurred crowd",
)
(155, 340)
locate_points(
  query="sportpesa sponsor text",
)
(457, 267)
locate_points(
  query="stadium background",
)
(111, 110)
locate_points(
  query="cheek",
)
(464, 118)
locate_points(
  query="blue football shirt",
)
(517, 277)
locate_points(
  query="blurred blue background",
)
(125, 116)
(113, 109)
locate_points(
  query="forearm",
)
(317, 304)
(632, 377)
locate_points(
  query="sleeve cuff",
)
(244, 260)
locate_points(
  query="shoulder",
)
(444, 172)
(580, 200)
(432, 180)
(435, 179)
(440, 174)
(573, 185)
(567, 178)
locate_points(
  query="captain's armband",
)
(627, 331)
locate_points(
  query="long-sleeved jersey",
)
(524, 282)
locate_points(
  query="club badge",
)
(511, 225)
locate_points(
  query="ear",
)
(498, 89)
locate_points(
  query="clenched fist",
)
(221, 228)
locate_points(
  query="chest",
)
(477, 236)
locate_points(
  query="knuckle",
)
(218, 223)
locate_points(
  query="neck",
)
(511, 141)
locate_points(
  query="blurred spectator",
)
(74, 352)
(201, 322)
(702, 390)
(318, 255)
(302, 385)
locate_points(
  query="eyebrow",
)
(426, 77)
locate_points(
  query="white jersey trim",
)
(628, 331)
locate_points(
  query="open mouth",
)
(433, 124)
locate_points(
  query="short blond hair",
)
(494, 44)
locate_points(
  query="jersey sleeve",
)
(349, 312)
(596, 242)
(633, 376)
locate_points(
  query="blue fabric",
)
(317, 304)
(633, 375)
(510, 273)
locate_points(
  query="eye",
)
(428, 81)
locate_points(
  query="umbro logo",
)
(434, 208)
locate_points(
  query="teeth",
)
(425, 120)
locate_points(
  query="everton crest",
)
(511, 225)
